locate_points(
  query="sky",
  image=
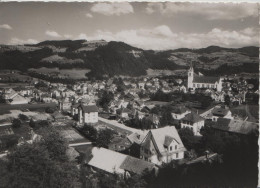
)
(156, 26)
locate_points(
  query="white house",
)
(200, 81)
(194, 122)
(162, 145)
(221, 112)
(88, 114)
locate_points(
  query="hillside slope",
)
(118, 58)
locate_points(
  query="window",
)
(170, 148)
(175, 146)
(177, 155)
(198, 85)
(194, 85)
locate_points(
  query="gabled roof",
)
(168, 140)
(205, 79)
(135, 165)
(159, 135)
(136, 137)
(192, 117)
(89, 108)
(111, 161)
(235, 126)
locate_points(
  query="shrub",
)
(16, 123)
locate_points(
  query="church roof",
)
(205, 79)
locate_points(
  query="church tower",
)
(190, 76)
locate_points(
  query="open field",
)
(63, 73)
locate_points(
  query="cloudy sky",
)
(157, 26)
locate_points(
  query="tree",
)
(32, 123)
(104, 137)
(49, 110)
(55, 144)
(16, 123)
(23, 117)
(227, 100)
(90, 132)
(30, 166)
(187, 136)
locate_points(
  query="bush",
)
(16, 123)
(23, 117)
(49, 110)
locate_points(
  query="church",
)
(200, 81)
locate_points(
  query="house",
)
(18, 99)
(119, 143)
(201, 81)
(64, 104)
(74, 109)
(235, 126)
(114, 162)
(141, 85)
(221, 112)
(194, 122)
(179, 112)
(125, 113)
(88, 113)
(162, 146)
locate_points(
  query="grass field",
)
(66, 73)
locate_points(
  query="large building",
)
(200, 81)
(162, 145)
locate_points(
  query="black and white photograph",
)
(129, 94)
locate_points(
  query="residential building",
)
(221, 112)
(179, 112)
(194, 122)
(162, 145)
(114, 162)
(88, 113)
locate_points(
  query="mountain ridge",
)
(118, 58)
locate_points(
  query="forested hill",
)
(118, 58)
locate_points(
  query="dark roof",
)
(168, 140)
(205, 79)
(135, 165)
(235, 126)
(89, 108)
(220, 112)
(192, 117)
(179, 110)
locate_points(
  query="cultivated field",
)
(65, 73)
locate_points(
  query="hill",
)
(118, 58)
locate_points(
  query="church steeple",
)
(190, 76)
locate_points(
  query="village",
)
(133, 124)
